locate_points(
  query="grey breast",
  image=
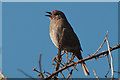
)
(55, 32)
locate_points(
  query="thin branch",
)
(102, 56)
(2, 77)
(111, 59)
(100, 45)
(72, 57)
(47, 73)
(96, 75)
(62, 75)
(58, 62)
(109, 66)
(41, 75)
(70, 73)
(25, 74)
(57, 56)
(40, 62)
(63, 63)
(34, 69)
(66, 57)
(82, 60)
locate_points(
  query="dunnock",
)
(69, 40)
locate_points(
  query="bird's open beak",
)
(48, 13)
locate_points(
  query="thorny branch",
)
(96, 75)
(85, 59)
(69, 63)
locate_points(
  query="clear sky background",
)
(25, 34)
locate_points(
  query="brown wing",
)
(70, 40)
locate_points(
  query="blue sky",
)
(25, 34)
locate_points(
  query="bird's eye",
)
(56, 14)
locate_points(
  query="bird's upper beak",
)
(49, 14)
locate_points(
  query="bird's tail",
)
(84, 67)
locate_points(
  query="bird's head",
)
(55, 14)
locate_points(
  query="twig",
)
(57, 56)
(70, 73)
(63, 63)
(67, 68)
(25, 74)
(100, 46)
(44, 73)
(58, 63)
(102, 56)
(96, 75)
(34, 69)
(72, 57)
(41, 75)
(2, 77)
(111, 59)
(82, 60)
(47, 73)
(109, 66)
(62, 75)
(66, 57)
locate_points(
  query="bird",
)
(63, 35)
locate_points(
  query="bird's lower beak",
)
(48, 13)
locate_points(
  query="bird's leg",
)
(60, 55)
(72, 57)
(57, 56)
(60, 45)
(58, 63)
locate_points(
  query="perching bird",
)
(61, 31)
